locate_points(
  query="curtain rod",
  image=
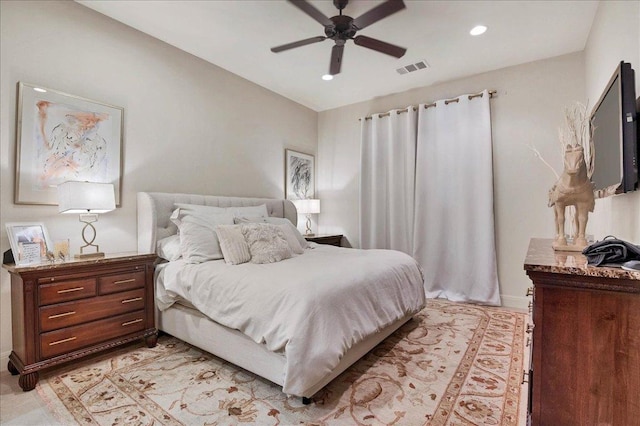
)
(446, 102)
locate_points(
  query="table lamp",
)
(308, 207)
(87, 199)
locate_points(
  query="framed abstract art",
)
(299, 175)
(62, 137)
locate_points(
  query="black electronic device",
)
(616, 139)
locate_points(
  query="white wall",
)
(614, 37)
(528, 110)
(189, 126)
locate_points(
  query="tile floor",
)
(18, 408)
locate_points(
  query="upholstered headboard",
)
(155, 208)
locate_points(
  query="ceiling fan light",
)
(327, 77)
(477, 30)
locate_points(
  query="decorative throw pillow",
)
(198, 239)
(289, 235)
(234, 248)
(266, 242)
(279, 221)
(169, 248)
(258, 211)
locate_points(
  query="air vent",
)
(413, 67)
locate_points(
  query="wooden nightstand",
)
(332, 240)
(65, 311)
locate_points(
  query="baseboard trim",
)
(518, 302)
(4, 358)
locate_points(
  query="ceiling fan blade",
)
(377, 13)
(336, 59)
(298, 44)
(380, 46)
(310, 10)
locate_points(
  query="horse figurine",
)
(573, 188)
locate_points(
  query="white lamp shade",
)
(307, 206)
(86, 197)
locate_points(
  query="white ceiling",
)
(237, 35)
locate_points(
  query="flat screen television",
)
(616, 143)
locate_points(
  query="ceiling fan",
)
(341, 28)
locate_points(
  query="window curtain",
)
(454, 239)
(388, 157)
(434, 167)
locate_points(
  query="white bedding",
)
(313, 307)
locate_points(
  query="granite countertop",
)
(108, 258)
(542, 257)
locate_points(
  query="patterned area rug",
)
(453, 364)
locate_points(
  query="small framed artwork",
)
(299, 175)
(29, 242)
(62, 137)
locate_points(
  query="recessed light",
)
(327, 77)
(37, 89)
(477, 30)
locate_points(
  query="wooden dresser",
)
(64, 311)
(332, 240)
(585, 366)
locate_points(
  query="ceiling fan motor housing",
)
(342, 28)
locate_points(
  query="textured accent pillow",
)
(266, 242)
(258, 211)
(198, 238)
(234, 248)
(169, 248)
(278, 221)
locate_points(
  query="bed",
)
(299, 369)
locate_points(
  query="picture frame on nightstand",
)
(29, 242)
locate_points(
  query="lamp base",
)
(96, 255)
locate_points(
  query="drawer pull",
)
(528, 341)
(70, 290)
(131, 280)
(135, 299)
(529, 329)
(62, 341)
(62, 315)
(131, 322)
(530, 291)
(525, 377)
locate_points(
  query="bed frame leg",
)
(306, 401)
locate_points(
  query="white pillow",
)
(289, 235)
(169, 248)
(234, 247)
(198, 238)
(266, 242)
(302, 242)
(258, 211)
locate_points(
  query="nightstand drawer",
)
(120, 282)
(69, 339)
(72, 313)
(64, 291)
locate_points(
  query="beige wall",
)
(526, 111)
(614, 37)
(189, 126)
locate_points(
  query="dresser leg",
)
(151, 341)
(12, 369)
(28, 381)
